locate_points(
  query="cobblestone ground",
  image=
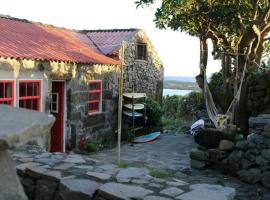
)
(137, 175)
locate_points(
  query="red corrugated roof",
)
(28, 40)
(108, 41)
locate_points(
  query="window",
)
(141, 51)
(29, 94)
(95, 95)
(54, 103)
(7, 92)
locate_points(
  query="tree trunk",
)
(203, 62)
(226, 67)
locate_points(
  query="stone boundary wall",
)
(249, 160)
(259, 95)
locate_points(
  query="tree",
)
(237, 29)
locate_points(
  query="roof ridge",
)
(35, 22)
(111, 30)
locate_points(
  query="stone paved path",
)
(136, 181)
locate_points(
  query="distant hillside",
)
(180, 83)
(180, 78)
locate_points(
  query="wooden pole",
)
(120, 101)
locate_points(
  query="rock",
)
(197, 164)
(139, 181)
(107, 167)
(156, 198)
(35, 172)
(29, 186)
(48, 161)
(266, 179)
(10, 186)
(43, 155)
(209, 137)
(26, 159)
(45, 190)
(245, 164)
(54, 176)
(172, 191)
(64, 166)
(77, 189)
(131, 172)
(216, 155)
(99, 176)
(120, 191)
(252, 175)
(21, 168)
(265, 154)
(242, 145)
(155, 185)
(85, 167)
(263, 163)
(74, 159)
(197, 154)
(226, 145)
(208, 192)
(176, 183)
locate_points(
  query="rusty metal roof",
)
(28, 40)
(108, 41)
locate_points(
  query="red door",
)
(57, 109)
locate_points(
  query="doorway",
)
(58, 110)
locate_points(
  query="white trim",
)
(41, 90)
(14, 89)
(65, 113)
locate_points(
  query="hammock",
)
(222, 121)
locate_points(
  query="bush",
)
(91, 145)
(154, 112)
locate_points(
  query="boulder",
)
(252, 175)
(45, 190)
(197, 154)
(197, 164)
(226, 145)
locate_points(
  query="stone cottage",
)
(53, 70)
(143, 69)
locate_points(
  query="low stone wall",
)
(249, 159)
(259, 95)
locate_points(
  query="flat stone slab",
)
(99, 176)
(117, 190)
(74, 159)
(77, 189)
(131, 172)
(208, 192)
(16, 129)
(172, 191)
(156, 198)
(108, 167)
(64, 166)
(85, 167)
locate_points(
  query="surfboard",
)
(136, 106)
(147, 138)
(134, 95)
(134, 114)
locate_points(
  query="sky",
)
(178, 51)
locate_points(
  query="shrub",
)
(91, 145)
(154, 112)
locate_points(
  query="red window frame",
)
(4, 99)
(94, 103)
(28, 97)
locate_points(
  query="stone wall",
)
(249, 159)
(259, 95)
(144, 75)
(96, 125)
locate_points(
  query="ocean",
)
(172, 92)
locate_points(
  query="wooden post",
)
(120, 101)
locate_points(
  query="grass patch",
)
(160, 173)
(123, 165)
